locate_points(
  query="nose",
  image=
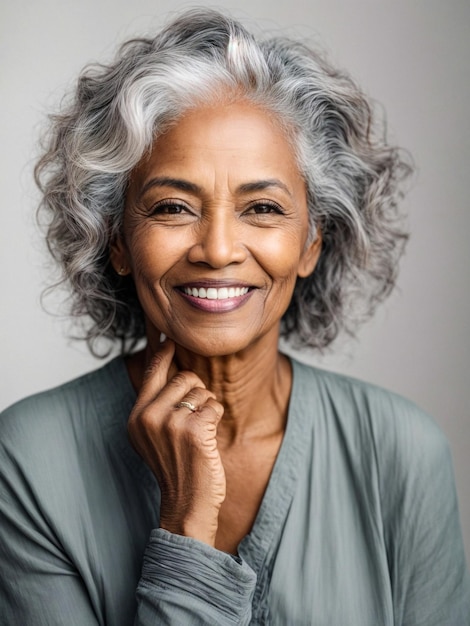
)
(218, 241)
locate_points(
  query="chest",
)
(247, 476)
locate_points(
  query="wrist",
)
(201, 530)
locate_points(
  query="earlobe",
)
(118, 257)
(310, 256)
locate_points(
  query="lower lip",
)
(217, 306)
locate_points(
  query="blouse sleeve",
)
(185, 581)
(429, 575)
(38, 584)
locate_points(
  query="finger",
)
(211, 410)
(178, 387)
(156, 374)
(197, 397)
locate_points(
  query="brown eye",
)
(265, 208)
(169, 208)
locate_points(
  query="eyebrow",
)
(168, 181)
(185, 185)
(261, 185)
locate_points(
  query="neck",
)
(253, 386)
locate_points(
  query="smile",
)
(223, 293)
(216, 299)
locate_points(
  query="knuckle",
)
(194, 379)
(192, 429)
(212, 409)
(146, 416)
(149, 418)
(179, 380)
(136, 427)
(153, 367)
(173, 429)
(188, 379)
(198, 395)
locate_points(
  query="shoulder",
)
(47, 417)
(356, 400)
(373, 421)
(401, 461)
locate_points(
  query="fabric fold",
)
(188, 579)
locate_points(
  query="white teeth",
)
(216, 294)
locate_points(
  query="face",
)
(215, 230)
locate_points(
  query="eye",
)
(169, 207)
(263, 207)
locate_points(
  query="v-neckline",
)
(281, 484)
(259, 547)
(277, 498)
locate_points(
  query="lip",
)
(216, 283)
(214, 305)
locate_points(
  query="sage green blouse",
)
(358, 526)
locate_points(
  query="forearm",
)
(185, 581)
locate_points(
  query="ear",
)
(119, 257)
(310, 256)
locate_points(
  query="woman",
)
(217, 192)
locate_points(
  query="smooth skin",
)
(219, 202)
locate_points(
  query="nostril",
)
(217, 250)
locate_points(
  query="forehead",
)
(238, 140)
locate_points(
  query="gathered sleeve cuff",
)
(185, 581)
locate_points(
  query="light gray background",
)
(410, 55)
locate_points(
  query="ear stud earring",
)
(122, 271)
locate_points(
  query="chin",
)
(216, 345)
(210, 350)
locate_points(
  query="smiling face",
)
(215, 230)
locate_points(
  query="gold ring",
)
(188, 405)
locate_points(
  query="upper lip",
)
(207, 284)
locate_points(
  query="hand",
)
(180, 446)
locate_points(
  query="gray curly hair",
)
(353, 178)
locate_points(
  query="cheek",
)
(152, 252)
(281, 253)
